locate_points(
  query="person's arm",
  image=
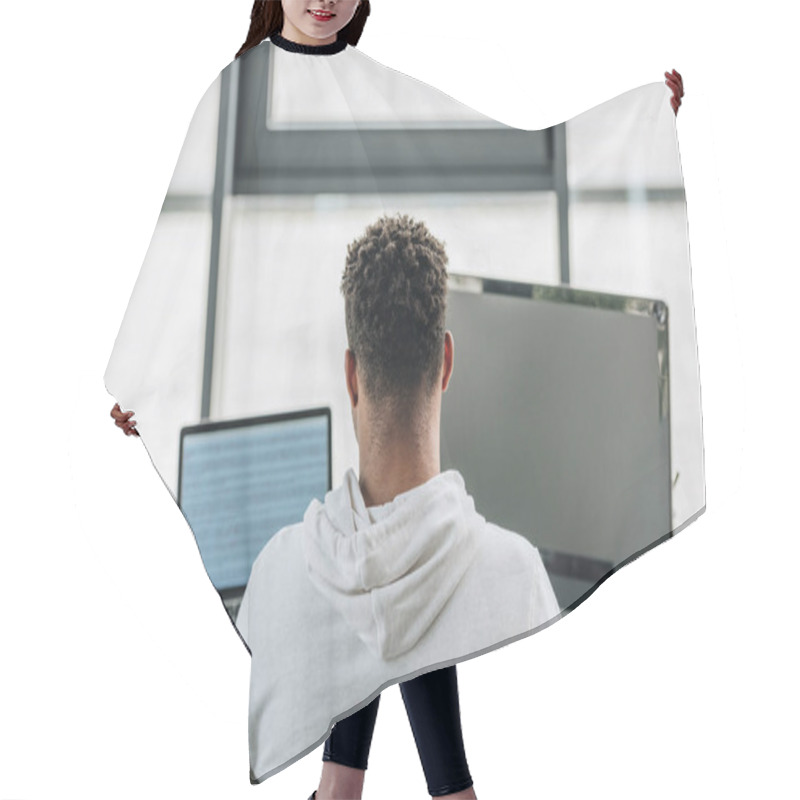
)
(675, 82)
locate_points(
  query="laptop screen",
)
(241, 481)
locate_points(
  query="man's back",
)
(354, 599)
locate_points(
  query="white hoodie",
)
(354, 599)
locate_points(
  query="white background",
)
(121, 677)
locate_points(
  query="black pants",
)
(431, 702)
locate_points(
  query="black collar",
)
(308, 49)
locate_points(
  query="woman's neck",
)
(335, 46)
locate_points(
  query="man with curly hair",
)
(395, 577)
(400, 357)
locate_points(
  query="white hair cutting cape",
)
(571, 432)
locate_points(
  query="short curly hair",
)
(395, 290)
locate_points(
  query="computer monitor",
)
(240, 481)
(569, 431)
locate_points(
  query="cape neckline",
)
(308, 49)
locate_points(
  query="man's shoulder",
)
(279, 546)
(510, 554)
(502, 540)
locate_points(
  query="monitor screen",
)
(241, 481)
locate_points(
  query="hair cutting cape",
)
(571, 434)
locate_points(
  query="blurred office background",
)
(595, 204)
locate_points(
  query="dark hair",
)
(395, 290)
(266, 18)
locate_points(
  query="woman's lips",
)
(322, 16)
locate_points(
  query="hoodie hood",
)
(391, 569)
